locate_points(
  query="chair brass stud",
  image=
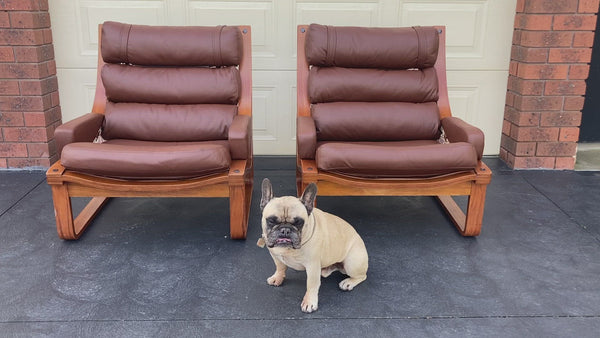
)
(309, 168)
(245, 31)
(302, 30)
(54, 170)
(236, 171)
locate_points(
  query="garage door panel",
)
(479, 35)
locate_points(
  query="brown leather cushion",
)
(147, 160)
(332, 84)
(363, 47)
(160, 122)
(395, 159)
(171, 85)
(171, 45)
(376, 121)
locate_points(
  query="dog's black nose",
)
(285, 231)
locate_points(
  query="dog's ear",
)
(267, 193)
(308, 197)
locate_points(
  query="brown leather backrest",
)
(168, 83)
(383, 76)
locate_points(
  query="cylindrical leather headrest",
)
(170, 85)
(171, 45)
(363, 47)
(332, 84)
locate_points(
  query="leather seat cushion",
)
(395, 159)
(130, 159)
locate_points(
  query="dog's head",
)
(284, 218)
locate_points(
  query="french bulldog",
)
(302, 237)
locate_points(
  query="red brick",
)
(25, 103)
(561, 118)
(542, 71)
(13, 119)
(556, 149)
(28, 162)
(520, 6)
(570, 55)
(21, 37)
(4, 20)
(34, 53)
(529, 54)
(510, 99)
(13, 150)
(23, 71)
(42, 119)
(583, 39)
(546, 39)
(585, 22)
(30, 19)
(550, 6)
(574, 102)
(588, 6)
(533, 162)
(55, 99)
(538, 103)
(516, 39)
(38, 150)
(579, 72)
(19, 5)
(506, 127)
(518, 148)
(6, 54)
(574, 87)
(569, 134)
(47, 35)
(521, 119)
(565, 163)
(525, 87)
(39, 87)
(532, 134)
(533, 22)
(9, 87)
(3, 163)
(27, 134)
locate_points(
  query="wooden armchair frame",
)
(473, 183)
(235, 184)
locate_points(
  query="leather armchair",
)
(172, 117)
(372, 115)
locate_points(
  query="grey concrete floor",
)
(165, 267)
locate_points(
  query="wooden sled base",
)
(235, 184)
(472, 184)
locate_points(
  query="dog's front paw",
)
(276, 279)
(309, 304)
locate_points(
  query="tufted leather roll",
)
(364, 47)
(160, 122)
(147, 160)
(376, 121)
(331, 84)
(171, 45)
(170, 85)
(395, 159)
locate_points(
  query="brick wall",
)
(549, 65)
(29, 107)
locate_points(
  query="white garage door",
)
(479, 34)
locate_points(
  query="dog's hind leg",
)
(355, 266)
(328, 270)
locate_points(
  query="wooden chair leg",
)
(66, 226)
(238, 211)
(469, 224)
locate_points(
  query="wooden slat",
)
(245, 103)
(88, 213)
(440, 69)
(302, 74)
(456, 214)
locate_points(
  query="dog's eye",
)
(298, 222)
(271, 221)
